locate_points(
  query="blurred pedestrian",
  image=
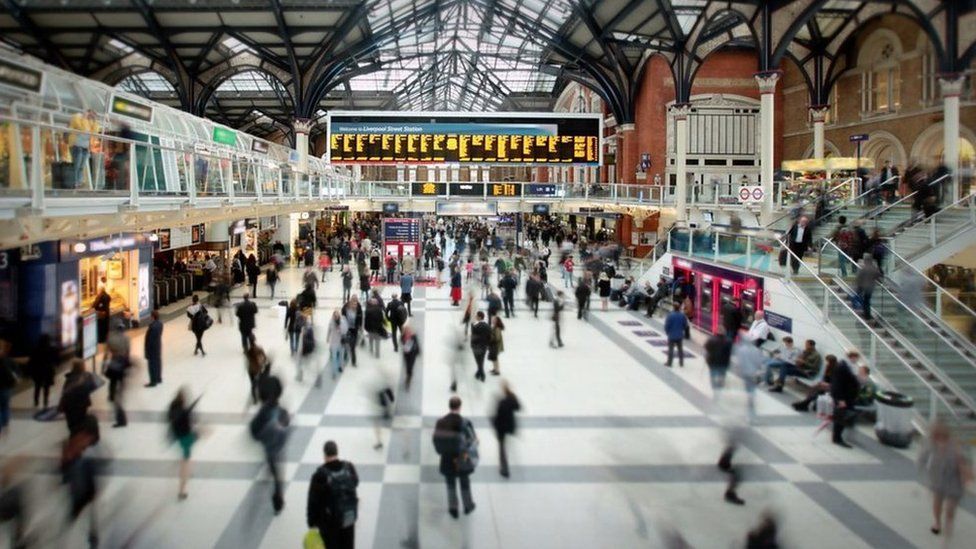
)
(406, 291)
(946, 470)
(411, 349)
(117, 370)
(507, 286)
(504, 424)
(41, 365)
(346, 283)
(8, 381)
(76, 395)
(270, 428)
(583, 293)
(497, 344)
(480, 340)
(373, 319)
(558, 304)
(718, 354)
(153, 349)
(353, 312)
(674, 328)
(337, 337)
(247, 313)
(258, 366)
(396, 315)
(294, 322)
(200, 322)
(80, 468)
(271, 277)
(455, 287)
(457, 444)
(333, 503)
(844, 388)
(181, 429)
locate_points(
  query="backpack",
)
(343, 503)
(467, 459)
(845, 240)
(400, 313)
(202, 320)
(308, 340)
(271, 429)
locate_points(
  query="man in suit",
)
(507, 286)
(504, 424)
(447, 443)
(154, 350)
(844, 389)
(799, 239)
(480, 338)
(396, 314)
(246, 313)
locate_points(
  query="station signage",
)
(131, 109)
(859, 137)
(540, 209)
(468, 189)
(258, 146)
(540, 190)
(503, 189)
(433, 138)
(396, 230)
(428, 189)
(484, 207)
(224, 136)
(20, 77)
(391, 208)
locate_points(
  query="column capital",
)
(302, 125)
(680, 111)
(626, 127)
(951, 84)
(767, 81)
(818, 113)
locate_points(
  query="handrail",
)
(812, 201)
(907, 196)
(864, 323)
(938, 288)
(859, 197)
(934, 367)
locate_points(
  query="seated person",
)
(806, 364)
(637, 295)
(784, 359)
(619, 288)
(659, 293)
(865, 397)
(820, 388)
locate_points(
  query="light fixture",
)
(80, 248)
(153, 237)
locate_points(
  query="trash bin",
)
(894, 423)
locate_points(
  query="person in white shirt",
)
(759, 330)
(783, 358)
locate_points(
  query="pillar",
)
(627, 153)
(680, 113)
(818, 113)
(303, 127)
(952, 85)
(767, 94)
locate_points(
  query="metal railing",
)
(898, 206)
(788, 216)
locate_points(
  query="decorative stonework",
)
(626, 128)
(767, 82)
(818, 113)
(952, 84)
(302, 125)
(680, 111)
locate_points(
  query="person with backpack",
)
(246, 313)
(396, 315)
(271, 276)
(270, 428)
(333, 504)
(845, 239)
(411, 350)
(480, 340)
(200, 321)
(457, 444)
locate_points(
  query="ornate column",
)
(818, 113)
(302, 127)
(680, 113)
(767, 90)
(952, 85)
(627, 153)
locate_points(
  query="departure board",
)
(434, 138)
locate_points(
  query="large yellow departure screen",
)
(418, 138)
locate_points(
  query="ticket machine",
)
(713, 287)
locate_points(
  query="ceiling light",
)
(80, 248)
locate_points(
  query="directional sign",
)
(751, 193)
(858, 137)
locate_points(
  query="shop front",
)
(178, 269)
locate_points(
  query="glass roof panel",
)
(249, 81)
(146, 83)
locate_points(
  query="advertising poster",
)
(69, 313)
(143, 289)
(164, 239)
(89, 336)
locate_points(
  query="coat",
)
(448, 429)
(844, 385)
(247, 311)
(41, 365)
(504, 420)
(675, 324)
(480, 335)
(153, 348)
(799, 247)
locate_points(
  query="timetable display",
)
(417, 138)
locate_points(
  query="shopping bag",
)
(313, 540)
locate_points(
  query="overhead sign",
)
(259, 146)
(131, 109)
(224, 136)
(164, 239)
(503, 189)
(397, 230)
(428, 189)
(468, 189)
(540, 209)
(858, 137)
(20, 77)
(540, 190)
(391, 207)
(502, 138)
(485, 207)
(749, 194)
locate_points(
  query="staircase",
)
(931, 241)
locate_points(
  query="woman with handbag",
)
(199, 318)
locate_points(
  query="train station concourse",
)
(487, 273)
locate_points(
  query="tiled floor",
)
(614, 449)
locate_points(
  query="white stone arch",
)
(874, 47)
(928, 147)
(829, 150)
(881, 146)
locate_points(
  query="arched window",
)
(880, 64)
(149, 84)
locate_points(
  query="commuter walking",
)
(258, 366)
(42, 363)
(533, 293)
(181, 430)
(308, 345)
(346, 283)
(504, 424)
(396, 315)
(844, 388)
(373, 324)
(411, 350)
(468, 315)
(603, 285)
(798, 238)
(674, 328)
(406, 291)
(558, 304)
(116, 370)
(270, 428)
(507, 285)
(247, 313)
(153, 349)
(353, 312)
(8, 382)
(865, 281)
(337, 336)
(583, 293)
(79, 384)
(494, 305)
(718, 354)
(294, 321)
(748, 362)
(945, 470)
(457, 444)
(845, 239)
(333, 502)
(253, 272)
(325, 264)
(497, 344)
(455, 287)
(364, 284)
(200, 322)
(480, 340)
(271, 277)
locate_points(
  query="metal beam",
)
(296, 74)
(38, 34)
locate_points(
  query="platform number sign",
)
(751, 193)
